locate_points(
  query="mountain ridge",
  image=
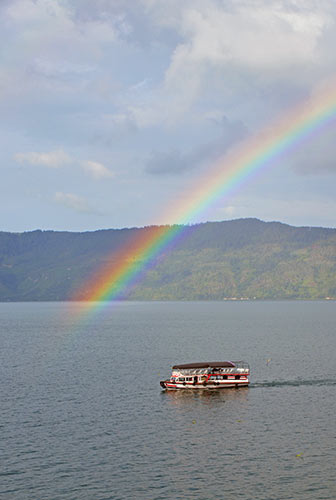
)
(209, 261)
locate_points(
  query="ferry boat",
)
(209, 375)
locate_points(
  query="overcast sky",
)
(111, 109)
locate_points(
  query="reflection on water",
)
(210, 397)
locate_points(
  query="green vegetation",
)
(245, 258)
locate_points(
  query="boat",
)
(208, 375)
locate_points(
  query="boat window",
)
(181, 379)
(237, 376)
(224, 377)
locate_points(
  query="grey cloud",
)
(111, 80)
(111, 129)
(176, 162)
(136, 23)
(317, 156)
(172, 162)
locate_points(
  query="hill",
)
(213, 261)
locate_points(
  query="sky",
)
(110, 110)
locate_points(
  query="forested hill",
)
(244, 258)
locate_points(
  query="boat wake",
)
(293, 383)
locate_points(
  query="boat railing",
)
(240, 367)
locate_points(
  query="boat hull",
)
(171, 386)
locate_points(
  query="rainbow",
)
(127, 266)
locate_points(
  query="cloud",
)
(76, 203)
(53, 159)
(112, 82)
(53, 24)
(57, 159)
(96, 170)
(110, 129)
(270, 35)
(53, 51)
(229, 210)
(178, 51)
(263, 34)
(238, 47)
(318, 156)
(171, 162)
(174, 162)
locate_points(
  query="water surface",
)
(83, 415)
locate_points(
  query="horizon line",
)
(191, 224)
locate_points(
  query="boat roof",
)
(210, 364)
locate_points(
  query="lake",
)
(83, 415)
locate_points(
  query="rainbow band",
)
(129, 264)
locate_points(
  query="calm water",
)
(83, 415)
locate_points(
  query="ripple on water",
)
(83, 415)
